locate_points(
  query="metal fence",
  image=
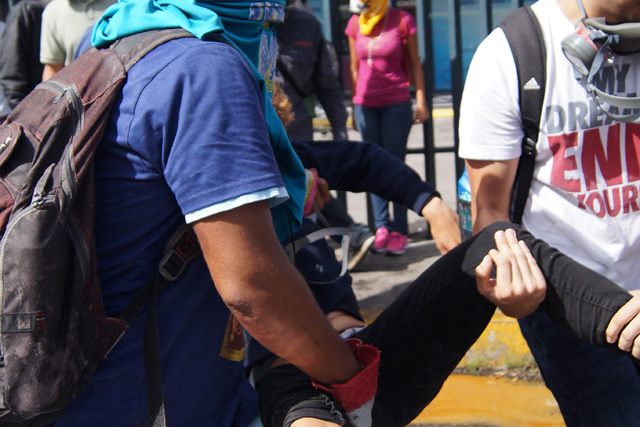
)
(422, 10)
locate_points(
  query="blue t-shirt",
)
(188, 138)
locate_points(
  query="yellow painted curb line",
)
(442, 113)
(438, 113)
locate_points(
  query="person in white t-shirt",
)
(584, 197)
(63, 24)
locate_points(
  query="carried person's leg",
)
(429, 327)
(423, 335)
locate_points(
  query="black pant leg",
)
(578, 298)
(427, 330)
(424, 334)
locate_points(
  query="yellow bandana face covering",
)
(371, 15)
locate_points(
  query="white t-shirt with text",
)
(585, 196)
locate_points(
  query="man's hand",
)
(443, 222)
(519, 286)
(317, 192)
(625, 325)
(322, 196)
(421, 115)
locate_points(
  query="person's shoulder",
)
(494, 44)
(58, 5)
(403, 14)
(352, 25)
(406, 21)
(186, 56)
(55, 7)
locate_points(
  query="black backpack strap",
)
(134, 47)
(181, 248)
(525, 38)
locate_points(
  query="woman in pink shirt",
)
(383, 47)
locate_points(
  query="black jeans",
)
(427, 330)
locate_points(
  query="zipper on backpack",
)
(70, 92)
(81, 246)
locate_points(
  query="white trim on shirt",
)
(274, 195)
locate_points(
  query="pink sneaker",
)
(380, 244)
(397, 243)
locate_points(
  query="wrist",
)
(432, 208)
(362, 387)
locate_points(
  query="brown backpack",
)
(53, 329)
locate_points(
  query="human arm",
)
(625, 326)
(491, 183)
(20, 67)
(491, 130)
(354, 63)
(443, 224)
(328, 90)
(519, 286)
(49, 70)
(577, 298)
(363, 166)
(421, 114)
(52, 49)
(267, 295)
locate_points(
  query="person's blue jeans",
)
(387, 126)
(593, 386)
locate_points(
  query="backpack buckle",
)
(529, 147)
(172, 265)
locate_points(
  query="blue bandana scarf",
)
(246, 25)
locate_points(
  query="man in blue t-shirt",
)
(192, 139)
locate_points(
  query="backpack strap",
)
(181, 248)
(133, 48)
(525, 38)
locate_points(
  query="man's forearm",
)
(268, 296)
(483, 217)
(291, 325)
(362, 166)
(491, 184)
